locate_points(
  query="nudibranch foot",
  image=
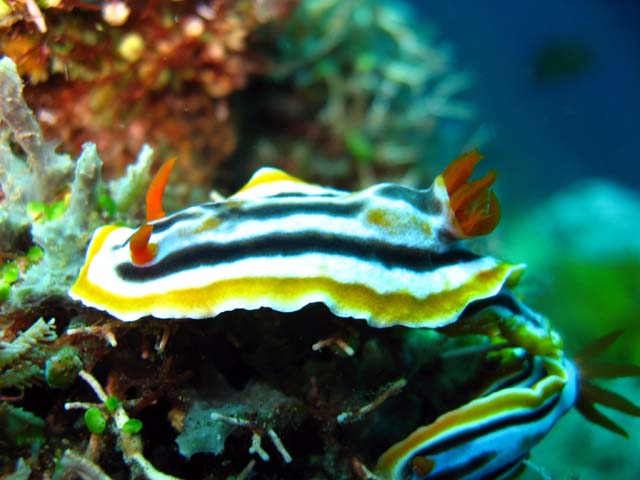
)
(504, 315)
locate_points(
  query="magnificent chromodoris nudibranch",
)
(388, 254)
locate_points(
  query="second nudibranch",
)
(489, 437)
(388, 254)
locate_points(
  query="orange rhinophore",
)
(141, 250)
(156, 189)
(476, 207)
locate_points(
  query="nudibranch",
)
(490, 436)
(388, 254)
(533, 387)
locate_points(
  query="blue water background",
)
(549, 135)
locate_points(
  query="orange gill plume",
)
(475, 206)
(141, 250)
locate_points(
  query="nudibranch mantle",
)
(388, 254)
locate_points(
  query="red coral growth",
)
(124, 73)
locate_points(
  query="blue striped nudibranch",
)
(491, 435)
(388, 254)
(534, 386)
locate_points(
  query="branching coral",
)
(63, 239)
(73, 462)
(40, 177)
(45, 166)
(128, 190)
(32, 174)
(22, 471)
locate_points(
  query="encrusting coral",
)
(121, 74)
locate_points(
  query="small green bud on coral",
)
(9, 272)
(326, 69)
(107, 205)
(36, 210)
(56, 210)
(34, 255)
(133, 425)
(95, 420)
(111, 404)
(62, 368)
(5, 291)
(40, 211)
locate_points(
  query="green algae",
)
(95, 420)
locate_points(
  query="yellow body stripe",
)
(384, 309)
(268, 176)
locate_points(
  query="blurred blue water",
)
(547, 135)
